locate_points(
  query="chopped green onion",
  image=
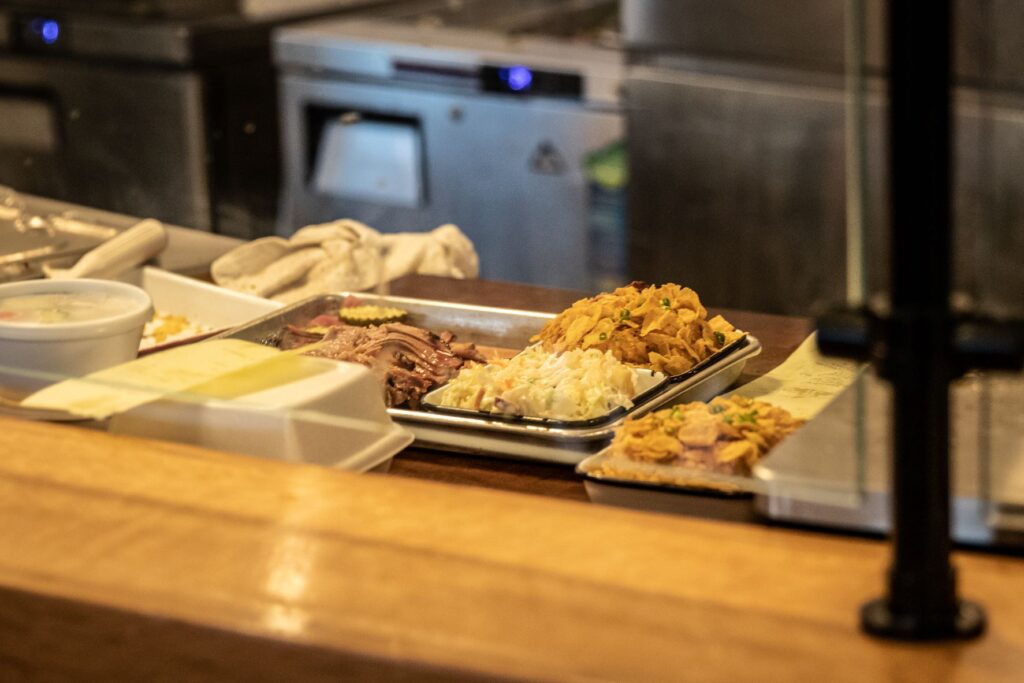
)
(603, 336)
(625, 315)
(715, 410)
(720, 338)
(665, 303)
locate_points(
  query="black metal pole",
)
(920, 360)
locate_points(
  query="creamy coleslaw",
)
(573, 385)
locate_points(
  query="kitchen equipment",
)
(478, 113)
(188, 251)
(737, 149)
(29, 238)
(505, 329)
(163, 108)
(121, 253)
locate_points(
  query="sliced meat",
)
(467, 352)
(323, 320)
(410, 361)
(295, 337)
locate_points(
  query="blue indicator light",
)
(50, 31)
(518, 78)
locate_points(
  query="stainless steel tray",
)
(669, 488)
(502, 327)
(506, 328)
(649, 384)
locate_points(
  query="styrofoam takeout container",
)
(202, 303)
(71, 349)
(336, 418)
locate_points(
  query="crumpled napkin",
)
(339, 256)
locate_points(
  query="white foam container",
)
(201, 302)
(336, 419)
(72, 349)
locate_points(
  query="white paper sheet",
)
(805, 382)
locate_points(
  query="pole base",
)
(877, 620)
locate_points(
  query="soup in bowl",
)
(67, 328)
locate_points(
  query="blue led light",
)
(50, 31)
(518, 78)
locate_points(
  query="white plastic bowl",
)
(72, 349)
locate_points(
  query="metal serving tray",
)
(511, 329)
(705, 494)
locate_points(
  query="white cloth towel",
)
(339, 256)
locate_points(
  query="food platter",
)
(715, 496)
(693, 458)
(505, 331)
(650, 384)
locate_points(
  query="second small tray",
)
(668, 488)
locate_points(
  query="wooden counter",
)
(123, 559)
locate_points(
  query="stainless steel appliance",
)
(738, 159)
(476, 113)
(163, 108)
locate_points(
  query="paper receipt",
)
(805, 382)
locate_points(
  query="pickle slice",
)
(371, 315)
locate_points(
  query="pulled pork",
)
(410, 361)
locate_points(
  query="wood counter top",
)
(126, 559)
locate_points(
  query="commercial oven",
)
(164, 108)
(477, 113)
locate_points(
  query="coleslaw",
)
(574, 385)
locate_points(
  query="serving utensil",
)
(128, 249)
